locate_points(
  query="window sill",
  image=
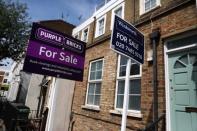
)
(129, 113)
(97, 36)
(90, 107)
(146, 12)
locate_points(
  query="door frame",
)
(166, 53)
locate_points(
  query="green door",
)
(183, 90)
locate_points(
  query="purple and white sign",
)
(54, 54)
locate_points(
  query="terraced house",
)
(163, 89)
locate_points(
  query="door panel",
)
(183, 90)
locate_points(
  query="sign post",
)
(128, 41)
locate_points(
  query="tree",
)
(14, 29)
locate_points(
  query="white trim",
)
(93, 81)
(133, 77)
(122, 5)
(142, 6)
(136, 114)
(77, 34)
(97, 26)
(167, 90)
(109, 6)
(82, 34)
(49, 117)
(167, 87)
(91, 107)
(182, 48)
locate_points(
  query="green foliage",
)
(4, 87)
(14, 29)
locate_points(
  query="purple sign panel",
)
(54, 54)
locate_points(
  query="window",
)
(85, 35)
(147, 5)
(7, 74)
(135, 85)
(94, 83)
(76, 36)
(100, 26)
(5, 80)
(119, 11)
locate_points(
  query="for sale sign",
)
(127, 40)
(55, 54)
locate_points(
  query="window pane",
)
(135, 86)
(98, 88)
(118, 12)
(184, 59)
(91, 88)
(122, 71)
(135, 69)
(123, 60)
(99, 65)
(121, 85)
(147, 5)
(179, 65)
(119, 103)
(193, 58)
(85, 34)
(97, 100)
(134, 102)
(96, 70)
(92, 76)
(93, 66)
(195, 64)
(101, 26)
(153, 3)
(90, 99)
(98, 74)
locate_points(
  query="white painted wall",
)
(60, 105)
(33, 92)
(14, 85)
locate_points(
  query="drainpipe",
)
(93, 30)
(155, 36)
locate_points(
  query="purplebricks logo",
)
(49, 36)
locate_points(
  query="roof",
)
(57, 20)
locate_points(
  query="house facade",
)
(166, 84)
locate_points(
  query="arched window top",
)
(185, 60)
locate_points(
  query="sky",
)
(71, 10)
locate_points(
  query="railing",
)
(155, 124)
(31, 123)
(26, 125)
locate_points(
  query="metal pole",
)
(126, 93)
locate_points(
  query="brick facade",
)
(172, 18)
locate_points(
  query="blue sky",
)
(53, 9)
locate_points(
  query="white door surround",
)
(168, 51)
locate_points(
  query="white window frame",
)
(133, 77)
(142, 6)
(97, 26)
(93, 81)
(122, 5)
(82, 35)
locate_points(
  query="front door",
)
(183, 90)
